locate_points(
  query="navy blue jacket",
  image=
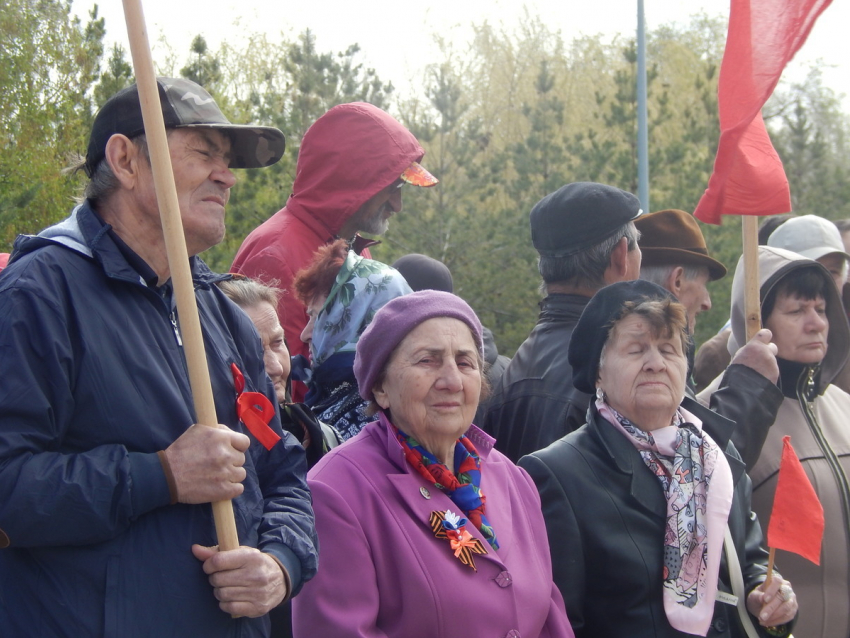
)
(94, 382)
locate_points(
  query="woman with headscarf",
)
(425, 529)
(802, 308)
(638, 501)
(342, 292)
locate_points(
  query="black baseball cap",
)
(184, 105)
(579, 216)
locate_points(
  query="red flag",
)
(796, 522)
(748, 177)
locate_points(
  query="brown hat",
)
(673, 237)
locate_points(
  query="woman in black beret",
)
(638, 501)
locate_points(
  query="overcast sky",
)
(396, 38)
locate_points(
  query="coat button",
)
(424, 492)
(513, 633)
(504, 579)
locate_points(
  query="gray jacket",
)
(816, 420)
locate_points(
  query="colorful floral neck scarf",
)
(686, 462)
(463, 489)
(362, 287)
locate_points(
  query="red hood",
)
(349, 154)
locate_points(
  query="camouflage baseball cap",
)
(184, 105)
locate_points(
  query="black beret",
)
(579, 216)
(591, 331)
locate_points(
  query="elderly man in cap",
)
(352, 165)
(586, 238)
(675, 257)
(105, 484)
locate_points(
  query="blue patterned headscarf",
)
(362, 287)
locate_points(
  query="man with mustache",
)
(352, 165)
(105, 484)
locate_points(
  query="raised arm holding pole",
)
(748, 177)
(175, 242)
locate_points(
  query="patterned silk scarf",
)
(463, 489)
(686, 462)
(362, 287)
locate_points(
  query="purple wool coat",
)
(382, 572)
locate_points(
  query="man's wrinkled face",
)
(693, 295)
(634, 258)
(374, 216)
(275, 354)
(200, 159)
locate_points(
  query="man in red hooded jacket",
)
(351, 167)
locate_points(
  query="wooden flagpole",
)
(752, 301)
(175, 244)
(752, 310)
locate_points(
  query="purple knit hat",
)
(395, 320)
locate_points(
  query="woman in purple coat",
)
(426, 530)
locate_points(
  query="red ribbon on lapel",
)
(254, 410)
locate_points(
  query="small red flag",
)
(796, 522)
(748, 177)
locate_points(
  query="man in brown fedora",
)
(675, 257)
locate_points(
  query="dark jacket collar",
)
(84, 232)
(559, 306)
(795, 377)
(720, 429)
(625, 457)
(360, 243)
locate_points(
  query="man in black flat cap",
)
(586, 238)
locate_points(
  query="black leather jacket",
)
(535, 402)
(752, 402)
(605, 516)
